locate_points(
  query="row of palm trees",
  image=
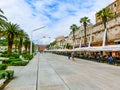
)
(102, 15)
(14, 34)
(85, 20)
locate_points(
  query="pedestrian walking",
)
(72, 55)
(69, 55)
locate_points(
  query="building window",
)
(115, 5)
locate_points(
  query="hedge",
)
(3, 66)
(27, 56)
(8, 74)
(18, 63)
(10, 55)
(10, 60)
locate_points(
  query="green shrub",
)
(8, 74)
(5, 52)
(18, 63)
(6, 61)
(4, 55)
(15, 59)
(16, 55)
(3, 74)
(3, 66)
(13, 55)
(10, 55)
(27, 56)
(10, 60)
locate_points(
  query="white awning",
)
(99, 48)
(118, 40)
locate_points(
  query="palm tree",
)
(104, 15)
(21, 35)
(26, 43)
(10, 31)
(68, 46)
(2, 17)
(85, 20)
(73, 28)
(2, 22)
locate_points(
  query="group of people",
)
(97, 56)
(71, 55)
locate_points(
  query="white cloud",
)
(57, 19)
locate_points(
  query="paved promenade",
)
(54, 72)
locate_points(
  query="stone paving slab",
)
(58, 73)
(85, 75)
(17, 69)
(25, 79)
(49, 80)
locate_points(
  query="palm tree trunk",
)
(105, 35)
(20, 46)
(90, 39)
(10, 43)
(9, 50)
(73, 39)
(15, 47)
(105, 32)
(85, 33)
(25, 48)
(28, 47)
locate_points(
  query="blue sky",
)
(56, 15)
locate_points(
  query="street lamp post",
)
(31, 38)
